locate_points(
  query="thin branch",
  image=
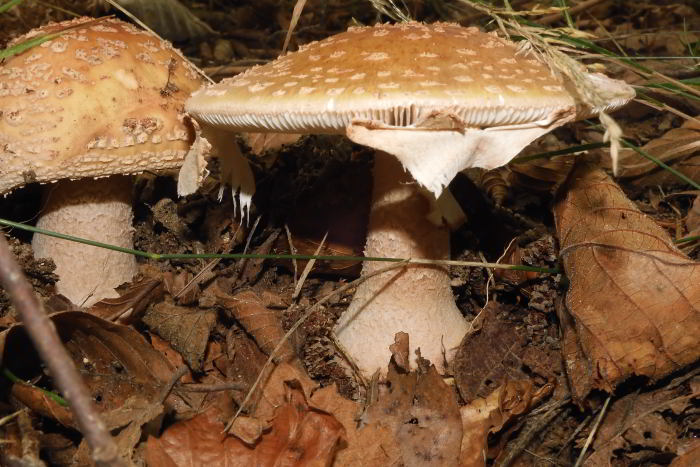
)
(43, 334)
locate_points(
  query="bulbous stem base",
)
(416, 299)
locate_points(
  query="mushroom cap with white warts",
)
(102, 98)
(394, 74)
(423, 79)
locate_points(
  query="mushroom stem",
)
(97, 210)
(418, 298)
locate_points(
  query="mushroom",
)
(433, 99)
(86, 109)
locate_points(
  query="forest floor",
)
(524, 388)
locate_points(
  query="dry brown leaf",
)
(489, 357)
(497, 353)
(132, 302)
(634, 298)
(186, 329)
(19, 441)
(242, 362)
(116, 362)
(182, 286)
(689, 457)
(419, 414)
(358, 447)
(540, 175)
(252, 267)
(415, 422)
(489, 414)
(299, 436)
(678, 148)
(261, 322)
(124, 374)
(369, 445)
(636, 427)
(476, 424)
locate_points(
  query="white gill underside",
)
(335, 121)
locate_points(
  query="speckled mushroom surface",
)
(462, 97)
(396, 74)
(103, 98)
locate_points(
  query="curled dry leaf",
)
(540, 175)
(299, 435)
(122, 371)
(130, 305)
(496, 353)
(261, 322)
(638, 426)
(678, 147)
(634, 300)
(414, 423)
(186, 329)
(489, 414)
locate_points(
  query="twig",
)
(43, 334)
(211, 387)
(532, 427)
(293, 251)
(594, 430)
(177, 374)
(307, 269)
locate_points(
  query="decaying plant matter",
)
(587, 354)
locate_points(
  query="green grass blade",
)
(560, 152)
(166, 256)
(26, 45)
(6, 6)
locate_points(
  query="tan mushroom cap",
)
(397, 75)
(56, 121)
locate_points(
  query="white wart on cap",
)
(103, 98)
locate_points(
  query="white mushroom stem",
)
(97, 210)
(417, 299)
